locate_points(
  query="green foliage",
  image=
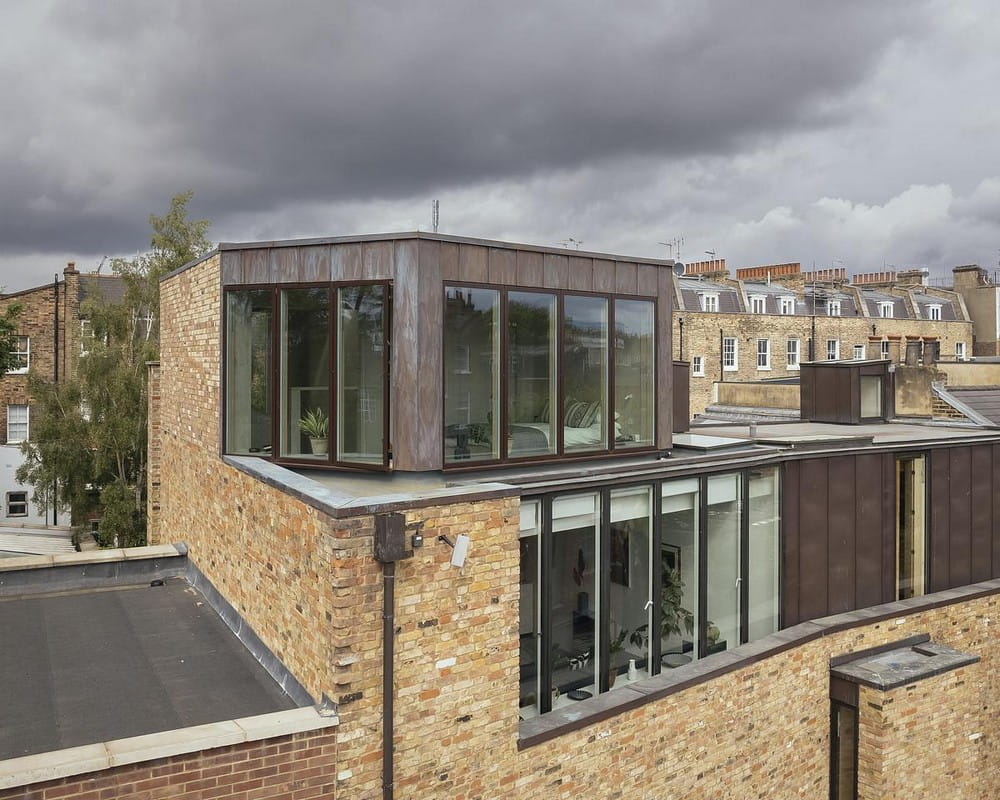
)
(8, 338)
(315, 424)
(88, 444)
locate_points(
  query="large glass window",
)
(585, 373)
(605, 599)
(532, 405)
(762, 556)
(722, 626)
(305, 373)
(472, 374)
(574, 598)
(678, 570)
(628, 588)
(635, 373)
(361, 374)
(248, 371)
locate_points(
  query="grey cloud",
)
(257, 106)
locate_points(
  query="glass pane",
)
(361, 376)
(628, 595)
(678, 571)
(871, 396)
(471, 374)
(585, 374)
(574, 596)
(531, 382)
(248, 371)
(723, 529)
(635, 373)
(529, 627)
(762, 589)
(305, 373)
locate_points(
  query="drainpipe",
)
(55, 376)
(388, 653)
(389, 546)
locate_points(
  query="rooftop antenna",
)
(570, 240)
(435, 214)
(673, 247)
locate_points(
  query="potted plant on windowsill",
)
(316, 425)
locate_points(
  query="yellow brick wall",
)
(926, 740)
(702, 337)
(308, 585)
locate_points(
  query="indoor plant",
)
(316, 425)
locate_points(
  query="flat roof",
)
(81, 667)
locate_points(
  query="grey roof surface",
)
(92, 666)
(984, 400)
(102, 288)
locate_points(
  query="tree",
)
(8, 338)
(90, 432)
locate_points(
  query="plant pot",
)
(320, 447)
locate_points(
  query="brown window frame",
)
(274, 400)
(560, 455)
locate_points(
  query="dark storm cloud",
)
(259, 105)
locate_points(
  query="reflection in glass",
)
(305, 373)
(531, 382)
(721, 629)
(248, 371)
(628, 569)
(585, 373)
(472, 374)
(360, 381)
(530, 617)
(574, 596)
(762, 577)
(679, 571)
(635, 373)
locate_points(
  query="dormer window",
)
(786, 305)
(833, 308)
(885, 309)
(934, 312)
(709, 301)
(757, 303)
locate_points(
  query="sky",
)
(851, 133)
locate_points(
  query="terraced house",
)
(437, 479)
(766, 322)
(51, 335)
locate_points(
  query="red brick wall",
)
(293, 767)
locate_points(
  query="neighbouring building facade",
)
(766, 322)
(51, 335)
(513, 580)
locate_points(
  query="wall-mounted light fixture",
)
(459, 548)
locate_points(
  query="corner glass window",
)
(361, 374)
(762, 555)
(472, 374)
(628, 589)
(532, 405)
(305, 373)
(721, 630)
(678, 590)
(585, 373)
(248, 371)
(530, 620)
(635, 373)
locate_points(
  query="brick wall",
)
(926, 740)
(308, 585)
(290, 767)
(702, 337)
